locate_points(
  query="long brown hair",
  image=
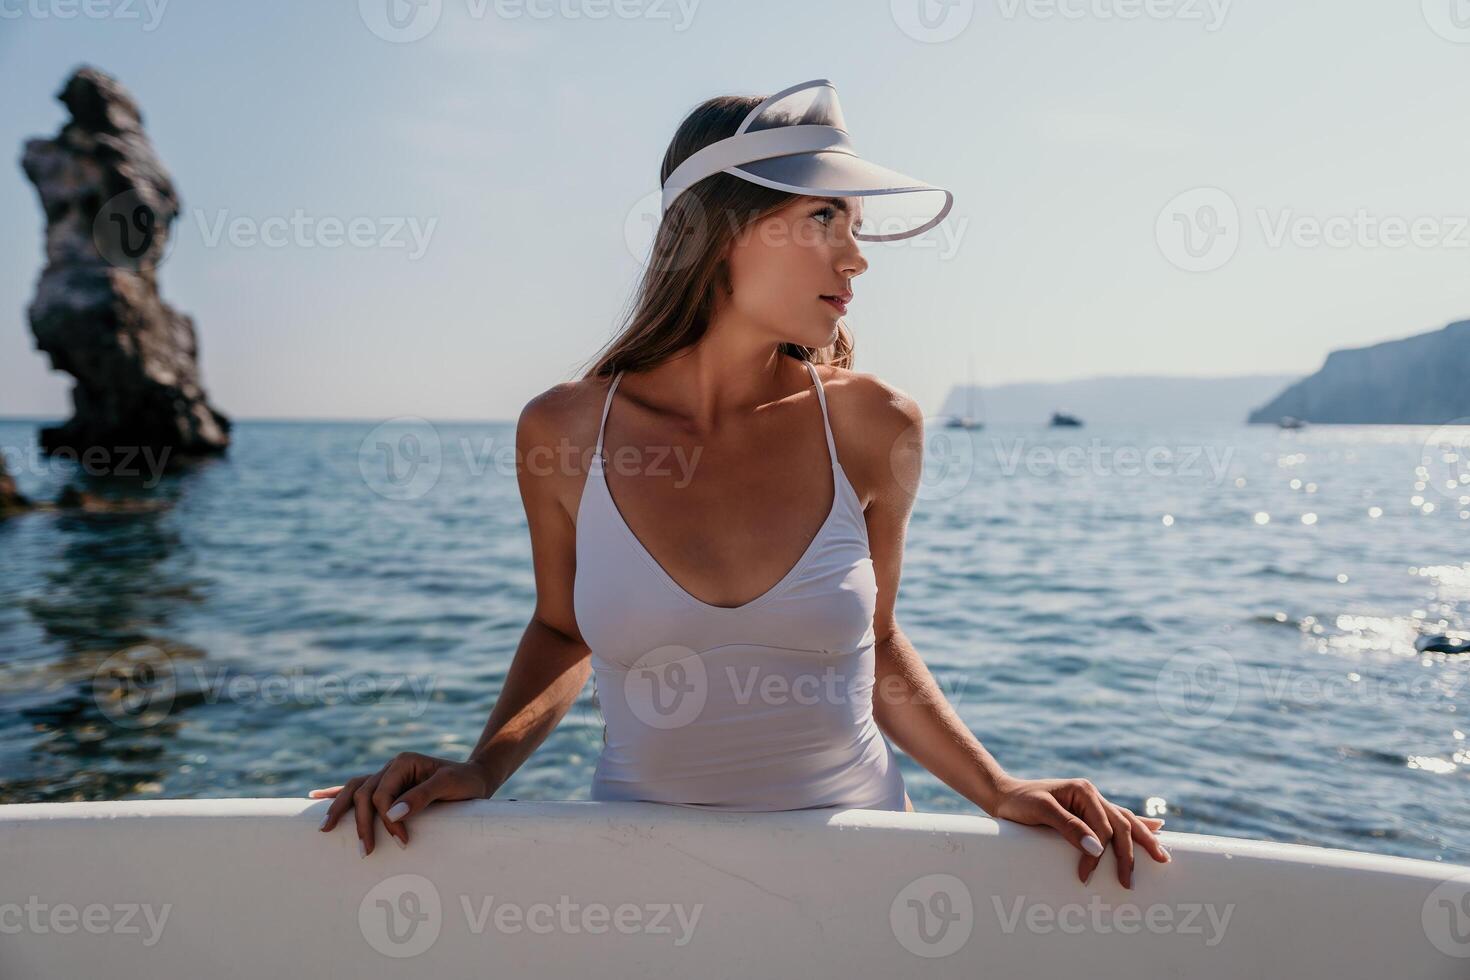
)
(676, 296)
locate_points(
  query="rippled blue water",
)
(1172, 624)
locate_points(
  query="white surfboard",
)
(250, 888)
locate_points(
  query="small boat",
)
(1063, 420)
(181, 889)
(969, 419)
(1442, 643)
(1290, 422)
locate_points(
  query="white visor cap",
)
(796, 141)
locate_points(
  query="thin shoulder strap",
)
(597, 453)
(826, 425)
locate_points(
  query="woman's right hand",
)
(406, 785)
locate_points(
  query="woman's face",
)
(783, 265)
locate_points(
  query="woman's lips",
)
(839, 304)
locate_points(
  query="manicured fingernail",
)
(324, 822)
(401, 845)
(1167, 856)
(1092, 846)
(397, 810)
(361, 848)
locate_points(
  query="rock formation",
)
(97, 312)
(1420, 380)
(11, 501)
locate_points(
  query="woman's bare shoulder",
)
(561, 413)
(866, 402)
(556, 434)
(874, 423)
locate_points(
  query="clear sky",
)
(520, 137)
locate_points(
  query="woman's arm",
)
(908, 704)
(913, 712)
(550, 665)
(545, 678)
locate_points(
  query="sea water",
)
(1215, 624)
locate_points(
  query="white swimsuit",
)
(762, 706)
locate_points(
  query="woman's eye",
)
(828, 211)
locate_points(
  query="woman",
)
(744, 661)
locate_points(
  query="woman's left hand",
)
(1077, 811)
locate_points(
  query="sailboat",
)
(968, 420)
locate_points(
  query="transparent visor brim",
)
(814, 105)
(894, 205)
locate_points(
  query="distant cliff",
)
(1128, 400)
(1420, 380)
